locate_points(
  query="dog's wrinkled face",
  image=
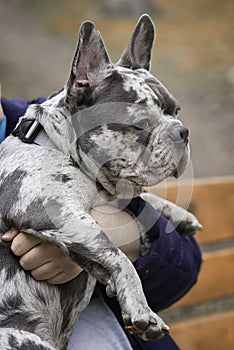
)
(133, 131)
(125, 119)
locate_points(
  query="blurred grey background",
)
(193, 56)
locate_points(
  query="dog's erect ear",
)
(138, 53)
(90, 64)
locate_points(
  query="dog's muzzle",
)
(179, 133)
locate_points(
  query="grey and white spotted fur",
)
(114, 129)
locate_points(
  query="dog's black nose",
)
(179, 133)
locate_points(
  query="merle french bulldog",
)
(112, 129)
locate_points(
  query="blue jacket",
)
(3, 128)
(167, 271)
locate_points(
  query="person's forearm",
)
(121, 228)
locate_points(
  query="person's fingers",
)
(10, 234)
(53, 273)
(47, 262)
(62, 278)
(24, 242)
(35, 257)
(41, 254)
(46, 271)
(44, 259)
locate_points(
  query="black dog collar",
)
(27, 130)
(31, 131)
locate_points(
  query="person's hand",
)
(45, 260)
(48, 263)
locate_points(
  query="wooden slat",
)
(212, 201)
(213, 332)
(215, 279)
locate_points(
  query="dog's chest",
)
(38, 184)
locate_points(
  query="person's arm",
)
(47, 262)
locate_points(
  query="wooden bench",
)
(204, 318)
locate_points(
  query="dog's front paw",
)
(189, 224)
(148, 326)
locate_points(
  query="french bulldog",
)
(111, 130)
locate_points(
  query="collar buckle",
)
(27, 130)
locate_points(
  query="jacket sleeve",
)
(172, 264)
(15, 108)
(3, 128)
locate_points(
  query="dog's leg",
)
(92, 249)
(111, 267)
(36, 311)
(185, 222)
(12, 339)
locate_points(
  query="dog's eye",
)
(142, 124)
(173, 113)
(177, 110)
